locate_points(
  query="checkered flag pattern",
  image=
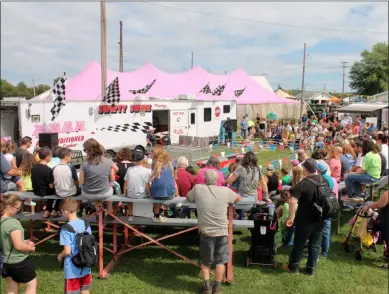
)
(239, 92)
(143, 90)
(206, 89)
(113, 93)
(58, 97)
(219, 90)
(135, 127)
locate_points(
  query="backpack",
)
(87, 247)
(325, 205)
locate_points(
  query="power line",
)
(259, 21)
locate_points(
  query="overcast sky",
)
(42, 40)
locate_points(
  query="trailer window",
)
(226, 108)
(192, 118)
(207, 114)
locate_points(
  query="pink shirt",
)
(336, 168)
(200, 176)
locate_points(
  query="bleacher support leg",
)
(101, 244)
(229, 269)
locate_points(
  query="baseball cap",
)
(322, 167)
(270, 168)
(138, 155)
(295, 162)
(310, 165)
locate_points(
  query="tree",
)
(279, 87)
(20, 90)
(370, 75)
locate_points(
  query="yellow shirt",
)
(27, 182)
(250, 123)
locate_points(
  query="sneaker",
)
(29, 203)
(159, 219)
(46, 214)
(357, 200)
(310, 271)
(206, 290)
(216, 290)
(130, 218)
(54, 213)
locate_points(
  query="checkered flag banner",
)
(239, 92)
(143, 90)
(113, 93)
(219, 90)
(206, 89)
(58, 97)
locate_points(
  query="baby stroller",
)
(263, 248)
(365, 228)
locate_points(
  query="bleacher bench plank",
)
(141, 221)
(174, 201)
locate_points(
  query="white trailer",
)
(125, 124)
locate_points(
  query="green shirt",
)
(8, 225)
(372, 165)
(286, 180)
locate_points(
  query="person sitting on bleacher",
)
(96, 174)
(43, 182)
(65, 175)
(369, 173)
(55, 160)
(163, 185)
(214, 164)
(136, 181)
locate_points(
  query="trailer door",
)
(192, 122)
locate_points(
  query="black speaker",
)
(234, 124)
(48, 139)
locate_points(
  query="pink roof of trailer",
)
(86, 85)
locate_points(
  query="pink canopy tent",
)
(86, 85)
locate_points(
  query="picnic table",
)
(116, 250)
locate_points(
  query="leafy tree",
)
(370, 75)
(20, 90)
(279, 87)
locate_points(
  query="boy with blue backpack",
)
(80, 250)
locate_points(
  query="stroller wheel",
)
(247, 261)
(359, 256)
(346, 247)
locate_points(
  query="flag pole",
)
(103, 47)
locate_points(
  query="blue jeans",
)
(326, 241)
(243, 133)
(289, 235)
(313, 233)
(353, 183)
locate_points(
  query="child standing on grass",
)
(287, 232)
(77, 280)
(25, 171)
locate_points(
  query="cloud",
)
(41, 40)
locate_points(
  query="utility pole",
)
(344, 66)
(325, 86)
(191, 62)
(33, 86)
(121, 47)
(302, 83)
(103, 23)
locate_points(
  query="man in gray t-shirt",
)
(212, 205)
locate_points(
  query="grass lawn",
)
(154, 270)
